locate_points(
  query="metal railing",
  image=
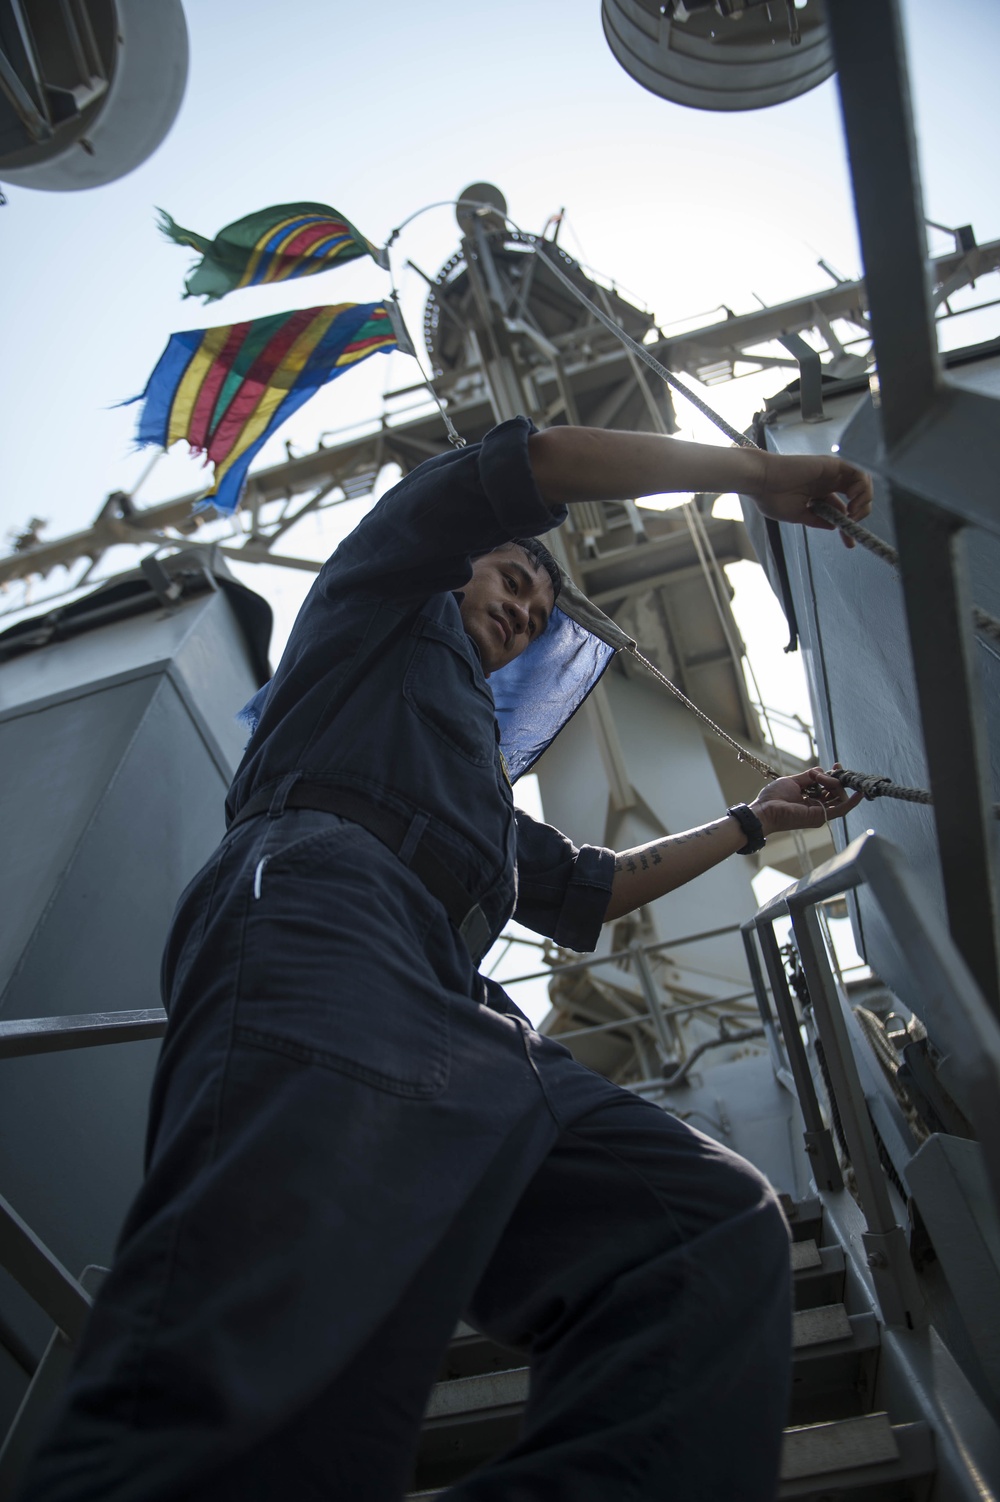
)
(659, 1015)
(944, 995)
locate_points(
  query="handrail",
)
(688, 1006)
(41, 1274)
(945, 997)
(623, 954)
(24, 1036)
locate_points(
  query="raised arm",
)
(806, 801)
(596, 464)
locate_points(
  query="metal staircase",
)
(839, 1442)
(895, 1258)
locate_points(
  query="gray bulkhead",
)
(117, 743)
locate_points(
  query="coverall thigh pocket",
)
(333, 971)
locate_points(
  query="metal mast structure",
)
(505, 335)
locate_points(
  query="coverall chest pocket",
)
(445, 692)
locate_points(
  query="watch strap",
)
(751, 827)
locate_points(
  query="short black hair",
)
(541, 557)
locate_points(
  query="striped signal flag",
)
(273, 245)
(227, 390)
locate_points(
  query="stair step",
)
(818, 1274)
(834, 1361)
(862, 1459)
(822, 1338)
(818, 1280)
(475, 1411)
(804, 1217)
(865, 1459)
(805, 1255)
(470, 1353)
(815, 1327)
(489, 1392)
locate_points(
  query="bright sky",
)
(381, 112)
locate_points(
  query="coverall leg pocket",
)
(331, 971)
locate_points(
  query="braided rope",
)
(884, 787)
(987, 624)
(870, 786)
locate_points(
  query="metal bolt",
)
(877, 1260)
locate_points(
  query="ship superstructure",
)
(871, 1103)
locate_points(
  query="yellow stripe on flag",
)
(261, 246)
(286, 374)
(276, 272)
(369, 349)
(186, 395)
(293, 263)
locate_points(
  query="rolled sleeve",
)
(562, 891)
(422, 534)
(509, 484)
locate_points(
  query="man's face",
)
(506, 604)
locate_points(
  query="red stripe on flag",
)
(255, 383)
(349, 349)
(313, 232)
(204, 406)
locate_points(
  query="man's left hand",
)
(791, 481)
(806, 801)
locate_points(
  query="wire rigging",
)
(869, 785)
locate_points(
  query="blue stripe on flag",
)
(161, 388)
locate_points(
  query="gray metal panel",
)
(859, 667)
(116, 748)
(54, 767)
(97, 945)
(145, 641)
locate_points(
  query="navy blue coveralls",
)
(355, 1139)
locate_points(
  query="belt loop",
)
(281, 793)
(412, 838)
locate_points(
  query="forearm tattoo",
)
(632, 860)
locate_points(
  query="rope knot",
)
(868, 786)
(875, 787)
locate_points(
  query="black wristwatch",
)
(751, 827)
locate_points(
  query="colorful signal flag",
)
(227, 390)
(273, 245)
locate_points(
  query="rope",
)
(870, 786)
(640, 350)
(744, 755)
(866, 783)
(454, 436)
(884, 787)
(987, 624)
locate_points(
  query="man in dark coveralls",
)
(355, 1138)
